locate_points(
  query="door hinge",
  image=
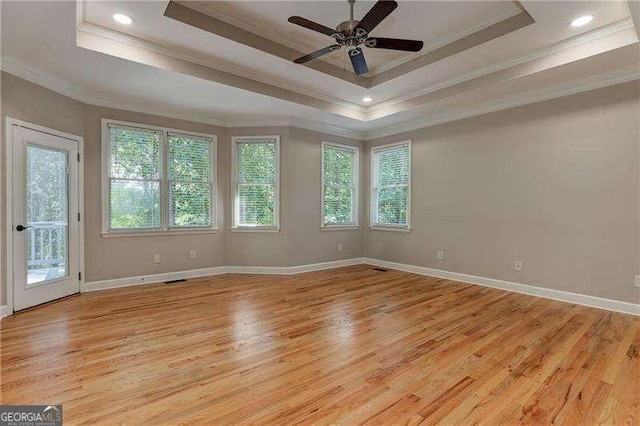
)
(79, 276)
(78, 217)
(78, 157)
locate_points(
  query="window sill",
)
(389, 228)
(250, 229)
(340, 228)
(133, 234)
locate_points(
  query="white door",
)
(45, 222)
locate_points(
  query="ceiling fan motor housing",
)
(351, 35)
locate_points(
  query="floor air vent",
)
(174, 281)
(380, 269)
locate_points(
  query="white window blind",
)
(158, 180)
(134, 178)
(256, 182)
(339, 185)
(391, 166)
(190, 181)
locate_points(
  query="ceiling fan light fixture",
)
(367, 99)
(581, 21)
(123, 19)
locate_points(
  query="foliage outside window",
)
(256, 186)
(339, 185)
(391, 180)
(158, 180)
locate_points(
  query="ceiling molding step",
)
(94, 98)
(467, 42)
(217, 65)
(109, 46)
(331, 129)
(598, 81)
(200, 16)
(599, 33)
(100, 99)
(190, 15)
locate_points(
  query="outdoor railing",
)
(46, 244)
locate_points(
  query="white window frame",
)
(165, 228)
(373, 206)
(235, 227)
(355, 172)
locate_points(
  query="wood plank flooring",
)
(345, 346)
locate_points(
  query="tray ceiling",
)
(163, 61)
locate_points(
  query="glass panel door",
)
(47, 214)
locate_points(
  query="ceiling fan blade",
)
(357, 60)
(394, 44)
(317, 54)
(376, 14)
(311, 25)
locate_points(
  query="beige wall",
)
(29, 102)
(554, 184)
(107, 258)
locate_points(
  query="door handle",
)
(21, 228)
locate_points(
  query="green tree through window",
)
(256, 182)
(391, 185)
(140, 178)
(339, 181)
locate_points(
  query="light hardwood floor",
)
(347, 346)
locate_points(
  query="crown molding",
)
(596, 34)
(279, 37)
(90, 97)
(70, 90)
(597, 81)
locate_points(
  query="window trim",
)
(165, 228)
(234, 184)
(373, 225)
(356, 187)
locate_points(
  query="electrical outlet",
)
(156, 258)
(440, 255)
(340, 247)
(637, 281)
(193, 254)
(517, 265)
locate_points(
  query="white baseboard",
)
(149, 279)
(547, 293)
(4, 311)
(563, 296)
(205, 272)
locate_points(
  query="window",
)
(157, 179)
(256, 185)
(391, 186)
(339, 185)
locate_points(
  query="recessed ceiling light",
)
(367, 99)
(581, 20)
(123, 19)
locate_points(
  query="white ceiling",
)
(38, 42)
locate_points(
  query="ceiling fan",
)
(353, 34)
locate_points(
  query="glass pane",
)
(392, 206)
(190, 204)
(47, 215)
(393, 166)
(338, 206)
(338, 166)
(257, 205)
(134, 153)
(256, 162)
(134, 204)
(189, 159)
